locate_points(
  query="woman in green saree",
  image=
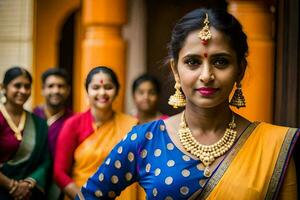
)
(24, 157)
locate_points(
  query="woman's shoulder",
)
(126, 118)
(79, 117)
(273, 130)
(149, 129)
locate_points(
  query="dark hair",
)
(104, 70)
(13, 73)
(55, 72)
(144, 78)
(220, 20)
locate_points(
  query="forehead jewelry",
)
(205, 33)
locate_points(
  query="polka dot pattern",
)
(155, 161)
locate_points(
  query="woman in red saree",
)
(88, 137)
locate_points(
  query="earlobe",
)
(174, 70)
(242, 70)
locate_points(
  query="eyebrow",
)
(227, 54)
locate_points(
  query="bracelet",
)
(13, 186)
(30, 182)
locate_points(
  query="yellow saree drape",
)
(253, 169)
(93, 150)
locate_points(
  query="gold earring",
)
(2, 97)
(238, 99)
(178, 99)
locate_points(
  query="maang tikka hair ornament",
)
(205, 33)
(238, 99)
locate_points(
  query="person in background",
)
(87, 138)
(55, 90)
(207, 151)
(24, 155)
(145, 92)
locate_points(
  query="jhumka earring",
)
(238, 99)
(2, 97)
(178, 99)
(205, 33)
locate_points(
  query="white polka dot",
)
(200, 167)
(128, 176)
(170, 163)
(168, 198)
(186, 158)
(98, 193)
(148, 167)
(185, 173)
(107, 161)
(111, 194)
(169, 180)
(144, 153)
(149, 135)
(120, 150)
(184, 190)
(130, 156)
(170, 146)
(157, 152)
(118, 164)
(114, 179)
(154, 192)
(157, 172)
(101, 177)
(162, 127)
(133, 137)
(202, 182)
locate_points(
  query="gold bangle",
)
(30, 182)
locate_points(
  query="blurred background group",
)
(131, 37)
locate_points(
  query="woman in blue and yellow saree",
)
(207, 151)
(24, 155)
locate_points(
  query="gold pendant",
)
(18, 136)
(207, 172)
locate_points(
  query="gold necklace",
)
(206, 153)
(16, 129)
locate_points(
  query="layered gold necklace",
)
(16, 129)
(206, 153)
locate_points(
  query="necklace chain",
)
(206, 153)
(16, 129)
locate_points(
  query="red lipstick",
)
(207, 91)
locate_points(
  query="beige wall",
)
(134, 33)
(16, 36)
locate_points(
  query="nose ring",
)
(212, 77)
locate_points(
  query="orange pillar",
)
(257, 21)
(102, 45)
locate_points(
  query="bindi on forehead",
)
(205, 55)
(101, 81)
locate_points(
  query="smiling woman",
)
(207, 151)
(24, 156)
(87, 138)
